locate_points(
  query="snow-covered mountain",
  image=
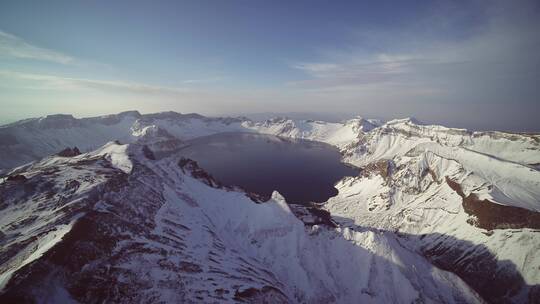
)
(437, 215)
(33, 139)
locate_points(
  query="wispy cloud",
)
(13, 46)
(495, 63)
(45, 81)
(203, 80)
(380, 68)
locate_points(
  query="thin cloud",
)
(44, 81)
(202, 81)
(382, 68)
(13, 46)
(497, 62)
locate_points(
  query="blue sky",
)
(461, 63)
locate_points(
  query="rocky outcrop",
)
(191, 167)
(69, 152)
(16, 178)
(489, 215)
(266, 294)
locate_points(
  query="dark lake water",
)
(301, 170)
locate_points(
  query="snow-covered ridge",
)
(158, 234)
(505, 162)
(402, 134)
(490, 155)
(403, 210)
(33, 139)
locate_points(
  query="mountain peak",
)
(133, 113)
(58, 121)
(117, 154)
(406, 120)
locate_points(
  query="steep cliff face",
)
(427, 199)
(469, 201)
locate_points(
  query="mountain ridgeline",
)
(104, 209)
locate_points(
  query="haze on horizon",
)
(472, 64)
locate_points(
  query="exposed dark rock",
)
(257, 198)
(489, 215)
(172, 116)
(72, 186)
(190, 166)
(17, 178)
(267, 294)
(229, 120)
(69, 152)
(382, 167)
(496, 281)
(311, 214)
(190, 267)
(148, 153)
(534, 295)
(81, 262)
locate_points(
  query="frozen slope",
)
(156, 233)
(364, 139)
(466, 202)
(413, 195)
(33, 139)
(397, 137)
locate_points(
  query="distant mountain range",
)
(102, 210)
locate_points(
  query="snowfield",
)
(437, 215)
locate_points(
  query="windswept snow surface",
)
(410, 228)
(115, 153)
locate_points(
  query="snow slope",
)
(184, 241)
(34, 139)
(436, 213)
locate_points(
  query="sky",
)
(471, 64)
